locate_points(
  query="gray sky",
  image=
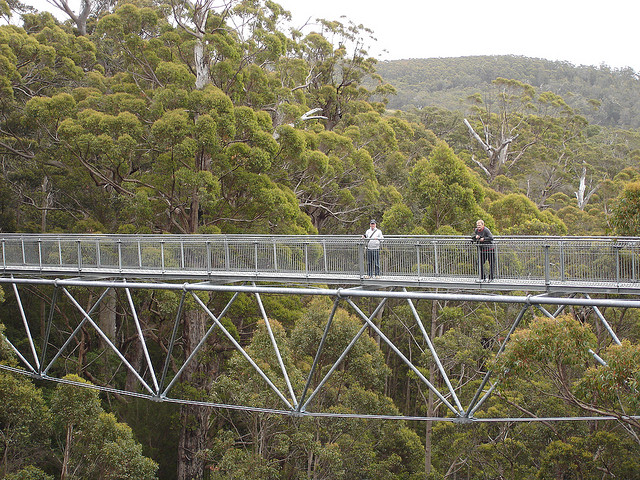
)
(581, 32)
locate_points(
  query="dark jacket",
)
(485, 238)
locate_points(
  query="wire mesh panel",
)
(591, 260)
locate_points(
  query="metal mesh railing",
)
(541, 259)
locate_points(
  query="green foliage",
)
(25, 423)
(626, 213)
(443, 192)
(515, 214)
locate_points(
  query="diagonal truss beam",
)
(297, 406)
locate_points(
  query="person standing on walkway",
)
(374, 240)
(486, 249)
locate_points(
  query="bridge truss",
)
(157, 374)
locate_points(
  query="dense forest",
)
(604, 96)
(185, 117)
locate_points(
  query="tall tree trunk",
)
(430, 410)
(194, 420)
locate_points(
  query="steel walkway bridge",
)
(542, 273)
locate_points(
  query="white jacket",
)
(375, 236)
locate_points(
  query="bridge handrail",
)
(540, 258)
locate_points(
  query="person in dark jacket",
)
(486, 249)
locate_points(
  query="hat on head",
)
(373, 221)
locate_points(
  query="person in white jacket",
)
(374, 237)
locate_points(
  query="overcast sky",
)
(581, 32)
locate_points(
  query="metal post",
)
(275, 256)
(324, 256)
(562, 275)
(306, 259)
(255, 252)
(617, 248)
(79, 256)
(418, 259)
(227, 260)
(119, 243)
(162, 255)
(40, 254)
(435, 259)
(547, 265)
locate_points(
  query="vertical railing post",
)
(275, 256)
(119, 243)
(98, 259)
(227, 260)
(24, 255)
(208, 243)
(79, 255)
(324, 255)
(617, 247)
(436, 267)
(562, 275)
(418, 259)
(40, 253)
(361, 258)
(4, 257)
(182, 262)
(139, 254)
(634, 254)
(162, 263)
(547, 265)
(60, 250)
(255, 255)
(306, 259)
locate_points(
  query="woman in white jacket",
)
(374, 237)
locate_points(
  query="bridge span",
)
(532, 272)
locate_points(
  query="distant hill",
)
(447, 82)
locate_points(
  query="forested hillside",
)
(139, 116)
(603, 95)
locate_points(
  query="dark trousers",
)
(373, 262)
(487, 255)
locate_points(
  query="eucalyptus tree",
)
(443, 192)
(269, 446)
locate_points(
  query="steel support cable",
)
(200, 343)
(472, 405)
(276, 349)
(26, 326)
(143, 342)
(319, 351)
(292, 413)
(74, 333)
(47, 333)
(106, 339)
(604, 322)
(341, 357)
(434, 354)
(403, 357)
(172, 341)
(242, 351)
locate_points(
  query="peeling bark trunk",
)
(194, 420)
